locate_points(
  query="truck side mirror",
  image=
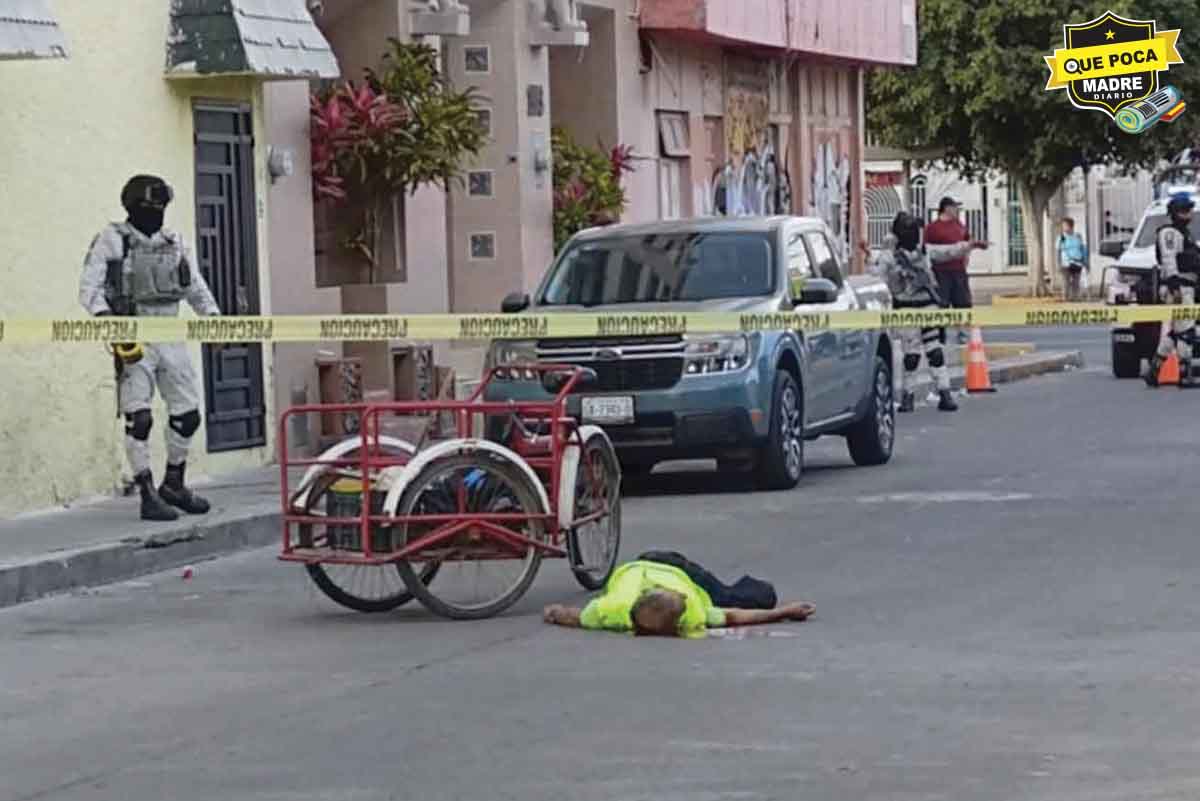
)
(816, 290)
(515, 302)
(1113, 248)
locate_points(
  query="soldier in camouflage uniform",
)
(907, 266)
(138, 268)
(1178, 273)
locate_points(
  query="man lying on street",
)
(665, 594)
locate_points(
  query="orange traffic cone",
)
(1169, 372)
(978, 377)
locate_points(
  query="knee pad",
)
(937, 358)
(185, 424)
(138, 425)
(912, 361)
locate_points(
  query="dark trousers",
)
(746, 593)
(955, 288)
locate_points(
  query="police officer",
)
(139, 268)
(907, 266)
(1178, 272)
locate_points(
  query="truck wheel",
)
(1126, 360)
(782, 460)
(871, 438)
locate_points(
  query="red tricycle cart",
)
(460, 522)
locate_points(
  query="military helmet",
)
(146, 190)
(1180, 201)
(906, 227)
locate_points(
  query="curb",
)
(1011, 370)
(1023, 300)
(109, 563)
(995, 351)
(1028, 367)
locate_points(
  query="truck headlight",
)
(718, 354)
(513, 352)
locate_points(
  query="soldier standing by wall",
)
(139, 268)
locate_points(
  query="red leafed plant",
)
(587, 185)
(621, 159)
(404, 127)
(354, 133)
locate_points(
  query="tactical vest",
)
(909, 283)
(1188, 259)
(156, 271)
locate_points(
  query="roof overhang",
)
(265, 39)
(29, 30)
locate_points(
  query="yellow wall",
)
(71, 133)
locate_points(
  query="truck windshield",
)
(662, 268)
(1145, 238)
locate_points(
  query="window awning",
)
(29, 30)
(271, 39)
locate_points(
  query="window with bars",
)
(917, 204)
(1018, 253)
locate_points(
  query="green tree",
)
(978, 94)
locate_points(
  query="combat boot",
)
(1152, 370)
(908, 402)
(946, 401)
(153, 507)
(176, 493)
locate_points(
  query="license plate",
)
(608, 409)
(1124, 338)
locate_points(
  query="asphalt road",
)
(1010, 610)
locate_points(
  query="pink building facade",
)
(730, 106)
(734, 106)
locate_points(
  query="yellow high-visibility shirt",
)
(612, 609)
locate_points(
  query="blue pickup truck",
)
(749, 400)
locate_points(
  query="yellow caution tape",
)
(482, 327)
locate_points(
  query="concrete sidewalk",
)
(102, 543)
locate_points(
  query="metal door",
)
(227, 252)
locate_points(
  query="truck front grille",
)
(621, 365)
(637, 374)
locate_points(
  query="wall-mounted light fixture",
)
(281, 163)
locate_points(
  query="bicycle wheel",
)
(363, 588)
(475, 581)
(595, 546)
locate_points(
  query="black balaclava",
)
(145, 198)
(907, 231)
(147, 219)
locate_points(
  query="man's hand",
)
(560, 615)
(798, 612)
(864, 247)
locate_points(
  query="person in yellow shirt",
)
(651, 598)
